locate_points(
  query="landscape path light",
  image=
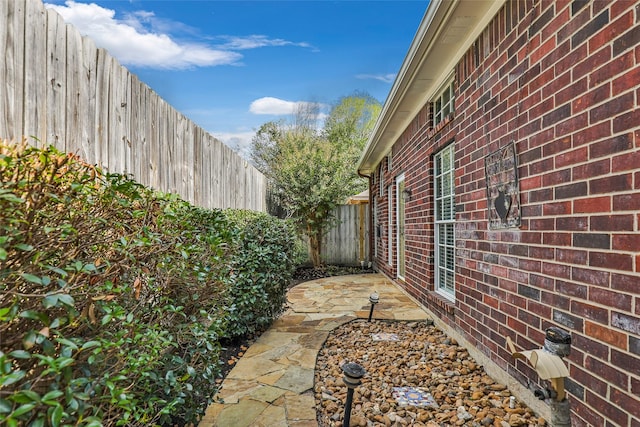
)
(374, 298)
(352, 375)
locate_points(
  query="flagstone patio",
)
(271, 385)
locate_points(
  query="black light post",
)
(373, 299)
(352, 375)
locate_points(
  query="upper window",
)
(443, 104)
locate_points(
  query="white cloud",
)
(256, 41)
(142, 39)
(240, 142)
(269, 105)
(132, 44)
(279, 107)
(387, 78)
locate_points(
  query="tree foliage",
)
(313, 170)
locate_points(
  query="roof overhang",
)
(447, 30)
(359, 199)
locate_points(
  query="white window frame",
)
(399, 227)
(381, 179)
(444, 102)
(376, 237)
(444, 220)
(390, 225)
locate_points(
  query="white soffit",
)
(447, 30)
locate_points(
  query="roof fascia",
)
(435, 50)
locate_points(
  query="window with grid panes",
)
(390, 225)
(443, 104)
(445, 222)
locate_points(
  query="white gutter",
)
(447, 30)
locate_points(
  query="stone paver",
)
(271, 385)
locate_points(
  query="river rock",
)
(424, 358)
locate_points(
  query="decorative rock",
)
(486, 421)
(477, 395)
(423, 417)
(423, 357)
(463, 414)
(357, 421)
(332, 407)
(516, 420)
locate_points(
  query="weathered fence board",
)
(4, 68)
(34, 51)
(137, 142)
(73, 93)
(58, 87)
(12, 75)
(56, 54)
(101, 136)
(88, 100)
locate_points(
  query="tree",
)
(313, 170)
(352, 120)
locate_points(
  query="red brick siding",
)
(561, 80)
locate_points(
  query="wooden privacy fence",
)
(57, 87)
(348, 242)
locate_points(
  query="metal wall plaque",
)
(503, 193)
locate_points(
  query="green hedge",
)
(259, 271)
(113, 298)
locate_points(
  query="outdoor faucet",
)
(548, 363)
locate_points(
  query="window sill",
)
(438, 300)
(440, 125)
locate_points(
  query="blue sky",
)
(231, 66)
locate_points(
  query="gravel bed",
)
(422, 357)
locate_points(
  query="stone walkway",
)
(272, 384)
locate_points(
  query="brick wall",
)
(561, 80)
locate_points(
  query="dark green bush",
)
(260, 271)
(113, 299)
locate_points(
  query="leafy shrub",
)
(110, 296)
(260, 271)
